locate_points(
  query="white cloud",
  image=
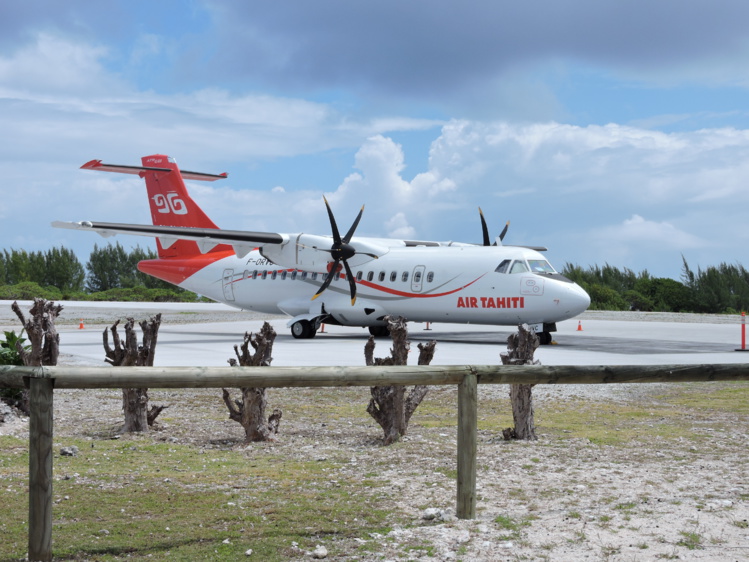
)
(650, 234)
(627, 163)
(398, 227)
(51, 67)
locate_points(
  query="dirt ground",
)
(561, 498)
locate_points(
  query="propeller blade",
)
(350, 233)
(351, 282)
(484, 228)
(328, 279)
(504, 231)
(333, 225)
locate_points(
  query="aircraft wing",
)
(242, 241)
(308, 250)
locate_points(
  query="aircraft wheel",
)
(544, 338)
(379, 331)
(302, 330)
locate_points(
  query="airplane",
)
(340, 280)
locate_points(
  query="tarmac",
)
(591, 339)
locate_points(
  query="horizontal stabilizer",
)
(136, 170)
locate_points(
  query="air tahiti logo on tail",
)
(171, 203)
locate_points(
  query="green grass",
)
(136, 499)
(706, 398)
(690, 539)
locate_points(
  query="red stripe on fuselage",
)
(415, 295)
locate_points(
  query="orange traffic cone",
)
(579, 326)
(80, 326)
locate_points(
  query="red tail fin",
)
(170, 203)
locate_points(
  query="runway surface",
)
(210, 343)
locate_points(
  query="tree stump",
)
(138, 417)
(249, 412)
(520, 349)
(389, 405)
(43, 338)
(42, 333)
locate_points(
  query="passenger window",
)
(393, 276)
(283, 275)
(293, 275)
(274, 275)
(417, 276)
(337, 275)
(254, 274)
(359, 275)
(519, 267)
(502, 267)
(381, 277)
(370, 275)
(246, 274)
(404, 277)
(430, 276)
(314, 276)
(304, 275)
(265, 274)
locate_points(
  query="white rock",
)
(248, 552)
(462, 536)
(320, 552)
(431, 513)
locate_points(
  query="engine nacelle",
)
(308, 252)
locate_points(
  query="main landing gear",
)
(303, 330)
(379, 331)
(544, 338)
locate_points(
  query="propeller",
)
(341, 251)
(485, 230)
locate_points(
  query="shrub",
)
(29, 290)
(9, 356)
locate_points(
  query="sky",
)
(609, 132)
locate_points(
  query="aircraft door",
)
(228, 283)
(417, 279)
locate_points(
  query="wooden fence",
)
(41, 382)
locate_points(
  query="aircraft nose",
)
(580, 299)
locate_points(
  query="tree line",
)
(111, 273)
(717, 290)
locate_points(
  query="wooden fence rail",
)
(41, 382)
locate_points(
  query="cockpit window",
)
(518, 266)
(502, 267)
(540, 266)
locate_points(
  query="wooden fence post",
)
(40, 468)
(467, 437)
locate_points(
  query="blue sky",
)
(610, 132)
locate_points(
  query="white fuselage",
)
(458, 284)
